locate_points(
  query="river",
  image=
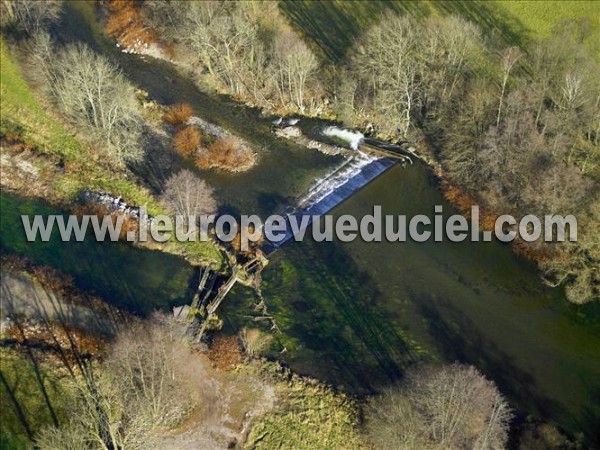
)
(356, 314)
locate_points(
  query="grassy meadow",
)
(22, 113)
(539, 17)
(333, 26)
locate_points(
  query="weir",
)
(351, 176)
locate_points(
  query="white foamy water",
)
(329, 191)
(353, 138)
(335, 179)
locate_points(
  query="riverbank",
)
(43, 158)
(460, 199)
(463, 201)
(50, 330)
(43, 293)
(384, 306)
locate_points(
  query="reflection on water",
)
(353, 311)
(356, 313)
(135, 279)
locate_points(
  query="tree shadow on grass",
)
(332, 27)
(493, 21)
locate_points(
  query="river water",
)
(356, 314)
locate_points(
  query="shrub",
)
(178, 114)
(187, 195)
(187, 141)
(29, 16)
(450, 407)
(225, 154)
(254, 341)
(95, 96)
(125, 23)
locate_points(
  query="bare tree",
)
(246, 49)
(389, 70)
(293, 65)
(576, 265)
(529, 145)
(402, 68)
(95, 96)
(30, 16)
(392, 422)
(220, 36)
(452, 48)
(73, 437)
(508, 59)
(145, 374)
(448, 407)
(41, 56)
(134, 398)
(187, 195)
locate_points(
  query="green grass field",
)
(21, 112)
(539, 17)
(331, 27)
(19, 375)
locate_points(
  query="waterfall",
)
(333, 180)
(328, 192)
(353, 138)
